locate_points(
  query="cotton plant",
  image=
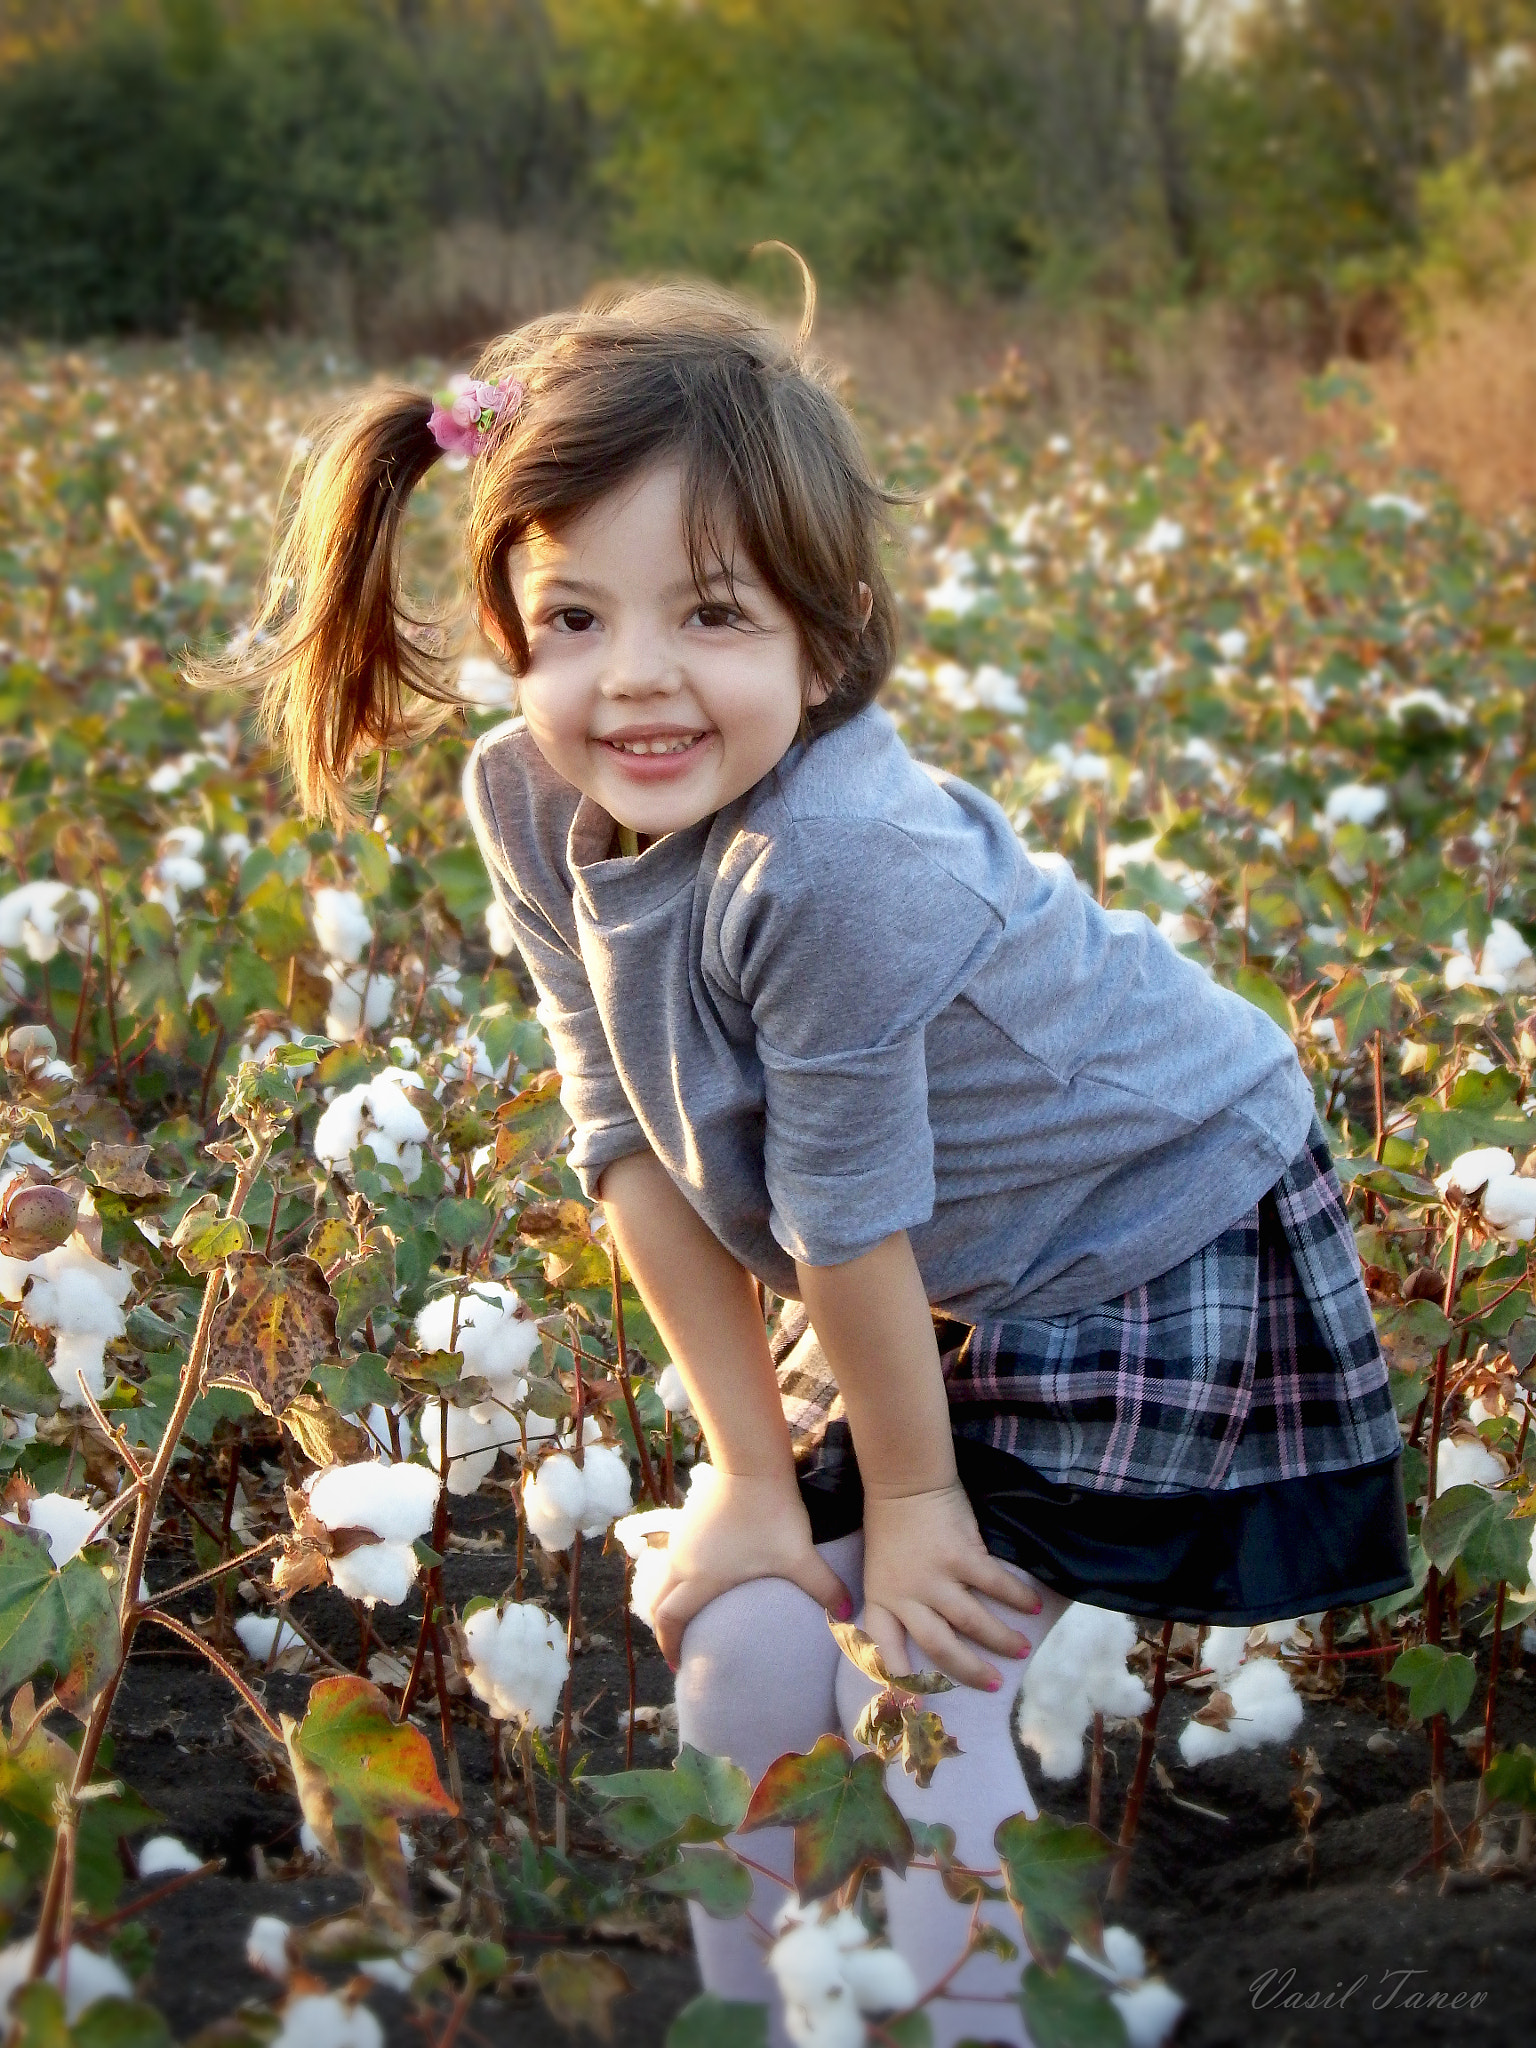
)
(41, 917)
(1501, 965)
(1505, 1198)
(63, 1522)
(90, 1978)
(166, 1856)
(1148, 2008)
(380, 1115)
(343, 930)
(267, 1639)
(391, 1507)
(831, 1975)
(79, 1297)
(177, 867)
(1254, 1701)
(563, 1500)
(1077, 1671)
(644, 1538)
(1467, 1461)
(360, 1001)
(325, 2019)
(515, 1661)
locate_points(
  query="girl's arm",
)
(705, 1306)
(924, 1560)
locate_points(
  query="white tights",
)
(760, 1676)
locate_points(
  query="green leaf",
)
(205, 1238)
(359, 1773)
(460, 873)
(1439, 1681)
(702, 1798)
(1069, 2007)
(1053, 1873)
(120, 2023)
(364, 1283)
(1266, 994)
(1482, 1111)
(1360, 1004)
(63, 1622)
(720, 1882)
(370, 856)
(1510, 1780)
(461, 1222)
(38, 2011)
(912, 2030)
(711, 2022)
(842, 1815)
(1450, 1519)
(355, 1388)
(26, 1385)
(530, 1127)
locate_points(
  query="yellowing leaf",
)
(277, 1325)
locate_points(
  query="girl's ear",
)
(866, 605)
(493, 632)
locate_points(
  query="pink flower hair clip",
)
(465, 416)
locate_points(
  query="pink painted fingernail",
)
(843, 1611)
(994, 1685)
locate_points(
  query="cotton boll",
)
(880, 1980)
(342, 928)
(807, 1964)
(376, 1571)
(475, 1437)
(76, 1359)
(1509, 1208)
(40, 917)
(1150, 2011)
(1353, 803)
(319, 2019)
(1078, 1670)
(610, 1492)
(346, 1019)
(91, 1977)
(673, 1394)
(77, 1293)
(164, 1856)
(1467, 1461)
(1504, 963)
(1265, 1708)
(266, 1639)
(554, 1500)
(1471, 1172)
(64, 1522)
(376, 1113)
(266, 1946)
(516, 1662)
(1224, 1650)
(396, 1503)
(494, 1332)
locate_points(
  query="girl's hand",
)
(744, 1529)
(924, 1564)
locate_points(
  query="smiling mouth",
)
(678, 744)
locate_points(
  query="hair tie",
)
(466, 414)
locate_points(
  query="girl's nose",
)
(639, 667)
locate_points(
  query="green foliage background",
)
(174, 161)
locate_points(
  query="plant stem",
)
(629, 1662)
(106, 977)
(1121, 1873)
(1096, 1775)
(647, 1470)
(1432, 1600)
(220, 1664)
(154, 1484)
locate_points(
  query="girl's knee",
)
(756, 1674)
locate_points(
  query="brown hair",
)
(769, 456)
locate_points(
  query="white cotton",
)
(1163, 537)
(1150, 2012)
(395, 1502)
(76, 1359)
(376, 1571)
(376, 1421)
(644, 1539)
(265, 1637)
(671, 1391)
(165, 1856)
(39, 917)
(1354, 803)
(1409, 510)
(807, 1964)
(475, 1438)
(554, 1501)
(64, 1522)
(235, 848)
(388, 1973)
(266, 1946)
(500, 932)
(516, 1662)
(91, 1977)
(485, 683)
(494, 1331)
(1431, 702)
(1467, 1461)
(1505, 962)
(610, 1491)
(345, 1019)
(1474, 1170)
(1233, 644)
(880, 1980)
(376, 1113)
(320, 2019)
(74, 1291)
(1077, 1671)
(1265, 1708)
(342, 927)
(1224, 1650)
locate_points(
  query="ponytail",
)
(331, 649)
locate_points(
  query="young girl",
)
(1085, 1319)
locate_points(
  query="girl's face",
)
(658, 706)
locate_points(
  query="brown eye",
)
(717, 615)
(574, 619)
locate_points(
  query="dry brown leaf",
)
(1217, 1711)
(580, 1989)
(121, 1168)
(277, 1325)
(324, 1435)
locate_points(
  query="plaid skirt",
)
(1218, 1444)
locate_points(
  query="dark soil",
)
(1273, 1938)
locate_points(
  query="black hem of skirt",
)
(1235, 1555)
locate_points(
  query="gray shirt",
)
(849, 1004)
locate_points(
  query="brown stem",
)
(1121, 1874)
(155, 1480)
(629, 1663)
(220, 1664)
(530, 1788)
(647, 1470)
(218, 1571)
(1096, 1775)
(572, 1629)
(85, 987)
(107, 978)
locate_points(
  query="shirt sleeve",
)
(847, 938)
(525, 874)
